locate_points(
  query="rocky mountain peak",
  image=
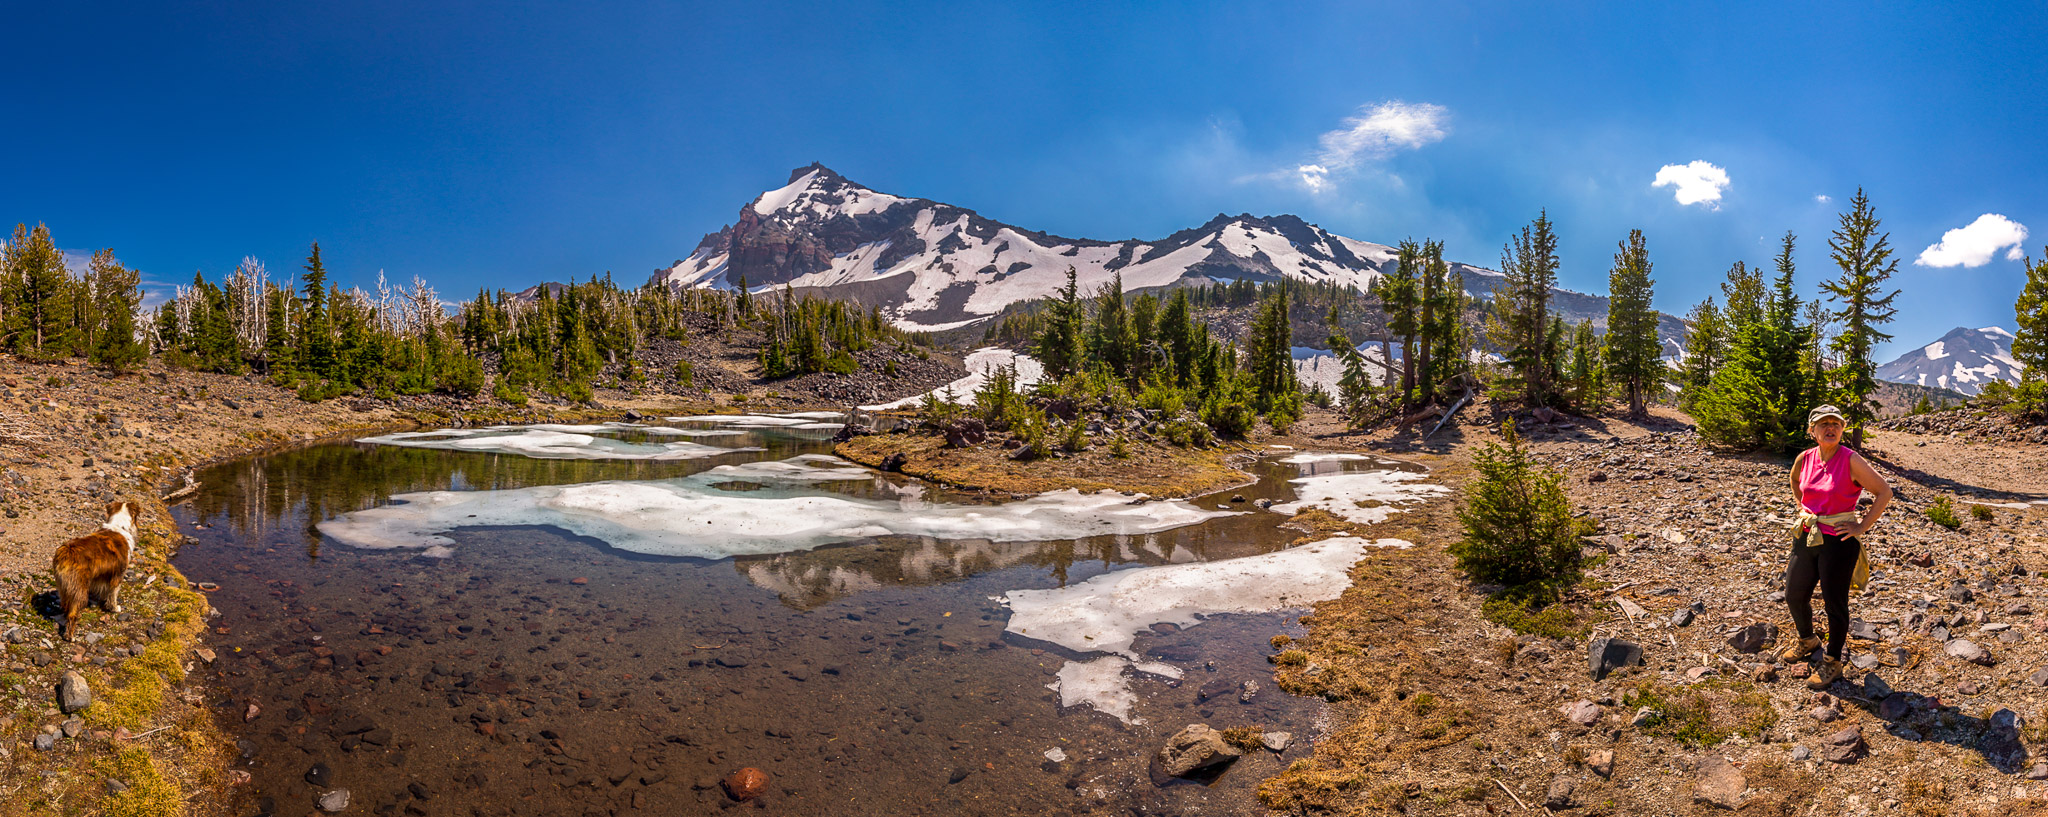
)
(1963, 360)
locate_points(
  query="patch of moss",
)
(1556, 620)
(149, 793)
(1705, 714)
(1245, 738)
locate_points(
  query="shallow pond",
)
(577, 620)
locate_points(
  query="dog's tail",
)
(73, 592)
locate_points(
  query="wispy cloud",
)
(1823, 198)
(1378, 131)
(1697, 182)
(1973, 244)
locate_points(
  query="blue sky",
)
(502, 144)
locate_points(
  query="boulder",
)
(1719, 784)
(1583, 713)
(1559, 795)
(1604, 655)
(1967, 650)
(895, 461)
(1276, 741)
(2001, 742)
(1874, 687)
(1601, 761)
(72, 693)
(1753, 638)
(1845, 746)
(1193, 748)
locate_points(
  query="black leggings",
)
(1829, 566)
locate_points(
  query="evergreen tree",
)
(39, 315)
(1271, 353)
(1059, 346)
(1400, 297)
(1178, 336)
(278, 347)
(1354, 387)
(1784, 342)
(1588, 364)
(117, 292)
(1521, 324)
(316, 338)
(1634, 352)
(1518, 526)
(1706, 346)
(1865, 258)
(2030, 311)
(1109, 338)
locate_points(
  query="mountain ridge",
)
(1962, 360)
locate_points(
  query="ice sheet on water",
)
(551, 442)
(1106, 613)
(1365, 498)
(741, 420)
(693, 517)
(800, 468)
(1314, 457)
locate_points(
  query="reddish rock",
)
(746, 784)
(579, 580)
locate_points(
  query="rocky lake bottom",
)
(532, 669)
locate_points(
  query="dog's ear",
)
(115, 507)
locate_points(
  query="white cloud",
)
(1314, 177)
(1823, 198)
(1973, 245)
(1698, 182)
(1381, 129)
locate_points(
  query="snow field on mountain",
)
(979, 364)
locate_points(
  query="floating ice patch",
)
(549, 444)
(1105, 613)
(1100, 684)
(694, 432)
(1314, 457)
(979, 364)
(1363, 498)
(742, 420)
(813, 415)
(693, 517)
(802, 468)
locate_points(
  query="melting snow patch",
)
(1105, 613)
(979, 363)
(1100, 684)
(692, 517)
(550, 443)
(1313, 457)
(1342, 494)
(743, 420)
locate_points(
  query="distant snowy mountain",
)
(933, 266)
(1963, 360)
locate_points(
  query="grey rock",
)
(1959, 592)
(334, 801)
(1864, 661)
(72, 727)
(2039, 772)
(1800, 753)
(1276, 741)
(1247, 691)
(17, 635)
(1642, 716)
(45, 742)
(320, 775)
(1681, 617)
(1895, 707)
(2039, 678)
(1824, 714)
(1753, 638)
(1875, 687)
(1859, 628)
(1195, 747)
(1967, 650)
(2001, 742)
(1719, 784)
(1604, 655)
(1559, 795)
(1583, 713)
(73, 693)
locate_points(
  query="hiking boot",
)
(1798, 652)
(1828, 671)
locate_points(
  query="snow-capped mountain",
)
(934, 266)
(1963, 360)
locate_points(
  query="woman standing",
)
(1828, 479)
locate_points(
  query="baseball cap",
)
(1824, 410)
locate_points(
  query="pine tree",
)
(1588, 386)
(117, 292)
(1518, 526)
(1059, 346)
(39, 310)
(1784, 340)
(1271, 352)
(1521, 324)
(1865, 258)
(1109, 336)
(1401, 298)
(316, 338)
(1634, 352)
(278, 347)
(2030, 312)
(1705, 348)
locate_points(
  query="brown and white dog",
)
(89, 568)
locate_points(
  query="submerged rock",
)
(334, 801)
(746, 784)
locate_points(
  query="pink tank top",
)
(1828, 488)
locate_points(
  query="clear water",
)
(537, 672)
